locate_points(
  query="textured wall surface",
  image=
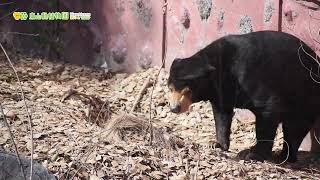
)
(225, 17)
(126, 34)
(302, 19)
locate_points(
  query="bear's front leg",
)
(223, 119)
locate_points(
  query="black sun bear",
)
(273, 74)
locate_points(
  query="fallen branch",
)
(106, 112)
(26, 108)
(13, 142)
(142, 91)
(68, 94)
(98, 110)
(150, 105)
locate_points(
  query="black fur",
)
(266, 72)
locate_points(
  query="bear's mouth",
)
(179, 101)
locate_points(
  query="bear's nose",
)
(176, 108)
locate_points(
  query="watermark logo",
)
(51, 16)
(16, 15)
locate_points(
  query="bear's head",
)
(187, 79)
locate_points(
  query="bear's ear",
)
(194, 67)
(197, 72)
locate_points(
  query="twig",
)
(13, 142)
(164, 50)
(79, 156)
(26, 108)
(106, 103)
(150, 105)
(281, 168)
(197, 168)
(78, 170)
(186, 167)
(128, 167)
(20, 33)
(8, 14)
(68, 94)
(91, 151)
(69, 169)
(142, 91)
(8, 3)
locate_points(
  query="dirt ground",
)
(83, 128)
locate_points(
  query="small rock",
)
(10, 168)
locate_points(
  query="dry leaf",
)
(62, 134)
(157, 174)
(93, 177)
(92, 158)
(5, 136)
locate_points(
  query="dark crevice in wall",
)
(185, 19)
(280, 15)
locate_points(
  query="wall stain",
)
(245, 24)
(119, 6)
(185, 19)
(221, 19)
(142, 10)
(204, 8)
(268, 10)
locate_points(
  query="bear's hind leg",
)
(266, 127)
(295, 128)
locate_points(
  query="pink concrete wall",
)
(302, 19)
(127, 35)
(131, 33)
(141, 24)
(226, 16)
